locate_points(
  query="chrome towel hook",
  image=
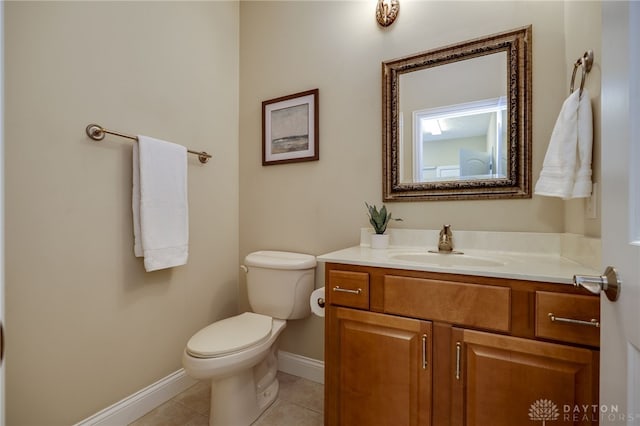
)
(586, 61)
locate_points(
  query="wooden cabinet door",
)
(504, 381)
(383, 369)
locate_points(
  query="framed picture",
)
(290, 128)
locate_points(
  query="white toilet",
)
(238, 354)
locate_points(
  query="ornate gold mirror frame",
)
(515, 182)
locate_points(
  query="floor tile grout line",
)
(304, 407)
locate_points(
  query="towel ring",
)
(586, 61)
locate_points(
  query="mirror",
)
(456, 121)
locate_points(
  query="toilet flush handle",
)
(244, 268)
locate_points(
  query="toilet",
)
(238, 354)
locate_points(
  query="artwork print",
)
(290, 128)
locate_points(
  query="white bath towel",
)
(159, 203)
(566, 171)
(583, 184)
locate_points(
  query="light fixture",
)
(387, 11)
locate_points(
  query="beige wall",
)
(583, 28)
(337, 47)
(86, 325)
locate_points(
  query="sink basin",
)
(446, 260)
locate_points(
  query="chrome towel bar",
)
(97, 133)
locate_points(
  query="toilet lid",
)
(230, 335)
(280, 260)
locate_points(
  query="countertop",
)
(543, 258)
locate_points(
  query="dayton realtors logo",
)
(543, 410)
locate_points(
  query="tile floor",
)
(300, 402)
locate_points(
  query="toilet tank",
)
(279, 284)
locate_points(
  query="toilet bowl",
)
(239, 354)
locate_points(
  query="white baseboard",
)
(140, 403)
(301, 366)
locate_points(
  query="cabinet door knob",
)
(608, 282)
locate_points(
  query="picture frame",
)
(290, 128)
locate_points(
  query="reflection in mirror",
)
(466, 141)
(456, 121)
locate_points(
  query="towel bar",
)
(97, 133)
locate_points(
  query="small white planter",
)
(379, 241)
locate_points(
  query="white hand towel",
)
(159, 203)
(558, 169)
(583, 185)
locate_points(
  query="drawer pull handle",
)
(347, 290)
(424, 352)
(458, 355)
(593, 323)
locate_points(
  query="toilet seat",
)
(230, 335)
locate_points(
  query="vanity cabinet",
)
(498, 378)
(421, 348)
(384, 372)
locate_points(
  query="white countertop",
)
(539, 257)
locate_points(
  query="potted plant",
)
(379, 219)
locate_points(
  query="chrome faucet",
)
(445, 241)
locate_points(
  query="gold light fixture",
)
(387, 11)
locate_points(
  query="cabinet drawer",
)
(567, 317)
(348, 288)
(472, 305)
